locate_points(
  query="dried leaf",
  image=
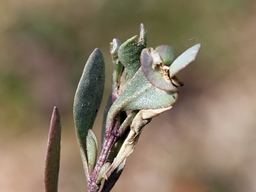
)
(139, 121)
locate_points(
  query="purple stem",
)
(109, 142)
(110, 139)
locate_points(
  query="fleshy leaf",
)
(129, 52)
(166, 53)
(88, 97)
(53, 153)
(155, 70)
(92, 149)
(184, 59)
(129, 56)
(153, 98)
(141, 94)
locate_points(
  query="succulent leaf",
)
(129, 55)
(87, 100)
(153, 98)
(166, 54)
(92, 149)
(141, 94)
(155, 71)
(52, 161)
(184, 59)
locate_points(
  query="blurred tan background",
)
(206, 143)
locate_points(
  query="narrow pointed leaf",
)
(88, 97)
(53, 153)
(142, 37)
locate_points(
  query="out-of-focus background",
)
(206, 143)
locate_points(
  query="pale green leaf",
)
(92, 149)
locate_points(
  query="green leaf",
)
(166, 54)
(154, 69)
(88, 97)
(129, 55)
(153, 98)
(92, 149)
(141, 94)
(52, 161)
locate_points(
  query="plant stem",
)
(109, 142)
